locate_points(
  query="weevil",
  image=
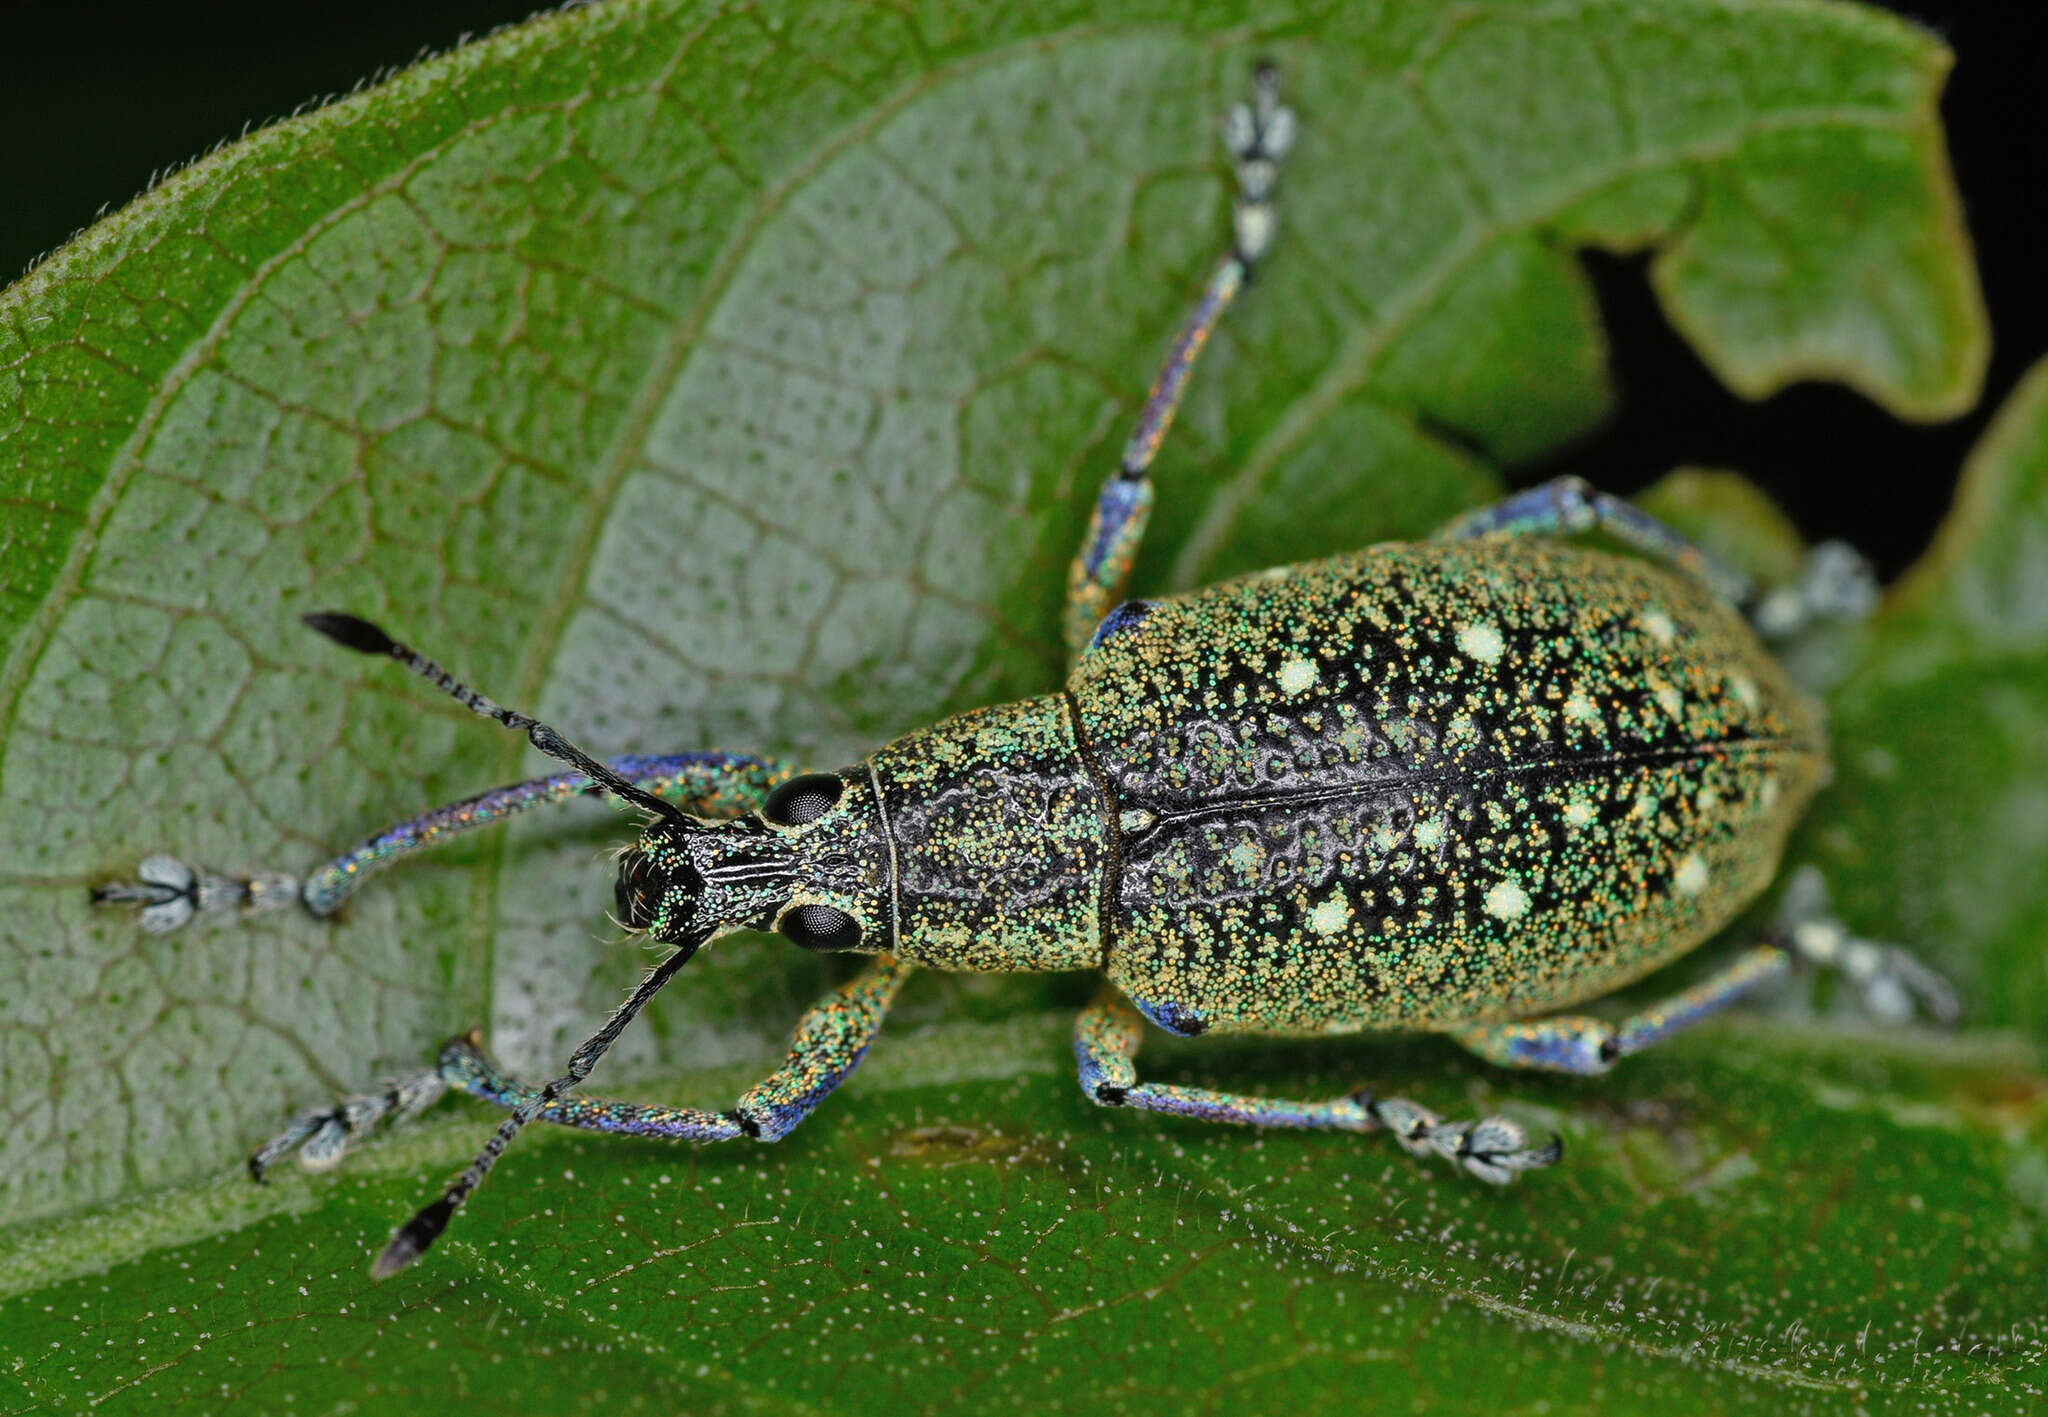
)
(1455, 785)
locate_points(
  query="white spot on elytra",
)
(1707, 799)
(1668, 698)
(1579, 812)
(1296, 675)
(1507, 901)
(1691, 876)
(1482, 642)
(1767, 792)
(1744, 689)
(1429, 834)
(1580, 709)
(1659, 627)
(1331, 916)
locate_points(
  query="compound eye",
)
(803, 799)
(820, 927)
(636, 891)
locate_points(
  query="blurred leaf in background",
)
(742, 377)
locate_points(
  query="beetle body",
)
(1422, 786)
(1451, 785)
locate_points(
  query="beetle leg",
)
(170, 892)
(1257, 136)
(321, 1134)
(1892, 983)
(1567, 506)
(1836, 584)
(1575, 1043)
(829, 1041)
(1106, 1039)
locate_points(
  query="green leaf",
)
(1752, 1218)
(742, 377)
(1937, 826)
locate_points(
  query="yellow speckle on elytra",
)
(1296, 675)
(1691, 876)
(1507, 901)
(1331, 916)
(1482, 642)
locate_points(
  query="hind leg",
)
(1835, 584)
(1893, 984)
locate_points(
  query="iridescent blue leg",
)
(1580, 1044)
(170, 892)
(829, 1042)
(1568, 506)
(1106, 1040)
(1257, 136)
(1893, 985)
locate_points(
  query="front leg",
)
(829, 1042)
(1106, 1039)
(170, 892)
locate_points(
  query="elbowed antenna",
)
(354, 632)
(412, 1239)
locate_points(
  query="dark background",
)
(93, 101)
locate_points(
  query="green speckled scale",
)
(998, 832)
(1431, 784)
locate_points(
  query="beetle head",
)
(811, 864)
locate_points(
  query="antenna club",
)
(414, 1237)
(350, 631)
